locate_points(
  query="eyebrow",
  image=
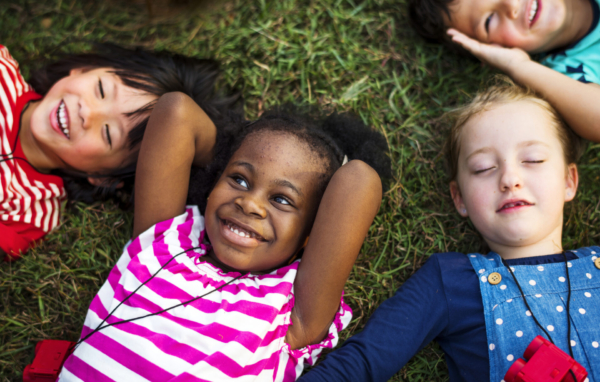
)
(485, 150)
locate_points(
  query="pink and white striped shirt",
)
(235, 333)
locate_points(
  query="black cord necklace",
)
(100, 327)
(568, 307)
(10, 156)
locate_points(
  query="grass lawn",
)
(357, 55)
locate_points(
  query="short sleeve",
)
(308, 355)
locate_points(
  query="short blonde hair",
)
(502, 91)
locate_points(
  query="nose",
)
(251, 204)
(512, 8)
(91, 114)
(510, 178)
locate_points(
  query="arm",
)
(575, 101)
(400, 327)
(178, 135)
(345, 214)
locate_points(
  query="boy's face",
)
(532, 25)
(82, 124)
(512, 178)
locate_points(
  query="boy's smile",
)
(512, 178)
(82, 123)
(260, 211)
(532, 25)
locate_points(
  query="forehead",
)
(465, 14)
(505, 126)
(276, 154)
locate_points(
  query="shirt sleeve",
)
(17, 238)
(398, 329)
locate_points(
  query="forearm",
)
(178, 135)
(345, 214)
(576, 102)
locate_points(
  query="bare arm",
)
(575, 101)
(179, 134)
(345, 214)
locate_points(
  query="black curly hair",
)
(155, 73)
(330, 137)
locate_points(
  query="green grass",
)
(359, 56)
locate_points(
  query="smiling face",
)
(81, 123)
(262, 208)
(532, 25)
(512, 178)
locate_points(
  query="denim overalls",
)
(509, 325)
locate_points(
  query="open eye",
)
(241, 181)
(281, 200)
(100, 88)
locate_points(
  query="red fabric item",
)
(30, 201)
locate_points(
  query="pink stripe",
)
(233, 370)
(84, 371)
(214, 330)
(185, 377)
(128, 358)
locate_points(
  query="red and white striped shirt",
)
(29, 200)
(236, 333)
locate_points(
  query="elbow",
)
(362, 179)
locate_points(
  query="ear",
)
(102, 182)
(572, 182)
(76, 71)
(457, 199)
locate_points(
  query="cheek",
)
(506, 35)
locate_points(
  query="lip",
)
(537, 14)
(236, 239)
(517, 205)
(53, 117)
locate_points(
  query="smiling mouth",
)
(520, 203)
(242, 232)
(533, 12)
(63, 120)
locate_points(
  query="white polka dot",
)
(483, 279)
(573, 343)
(593, 252)
(569, 264)
(550, 328)
(559, 308)
(528, 313)
(561, 279)
(519, 333)
(532, 282)
(595, 344)
(512, 269)
(510, 357)
(538, 295)
(509, 300)
(499, 321)
(594, 258)
(473, 256)
(581, 310)
(588, 294)
(503, 287)
(492, 346)
(540, 268)
(589, 275)
(491, 259)
(481, 271)
(587, 380)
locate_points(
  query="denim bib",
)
(510, 326)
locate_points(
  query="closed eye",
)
(484, 170)
(534, 161)
(487, 24)
(108, 136)
(100, 88)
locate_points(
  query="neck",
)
(581, 20)
(549, 245)
(34, 153)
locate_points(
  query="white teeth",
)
(62, 119)
(533, 10)
(240, 232)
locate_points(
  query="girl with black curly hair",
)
(251, 290)
(74, 129)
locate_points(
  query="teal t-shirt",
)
(581, 60)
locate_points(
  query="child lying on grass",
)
(79, 123)
(512, 168)
(252, 310)
(503, 33)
